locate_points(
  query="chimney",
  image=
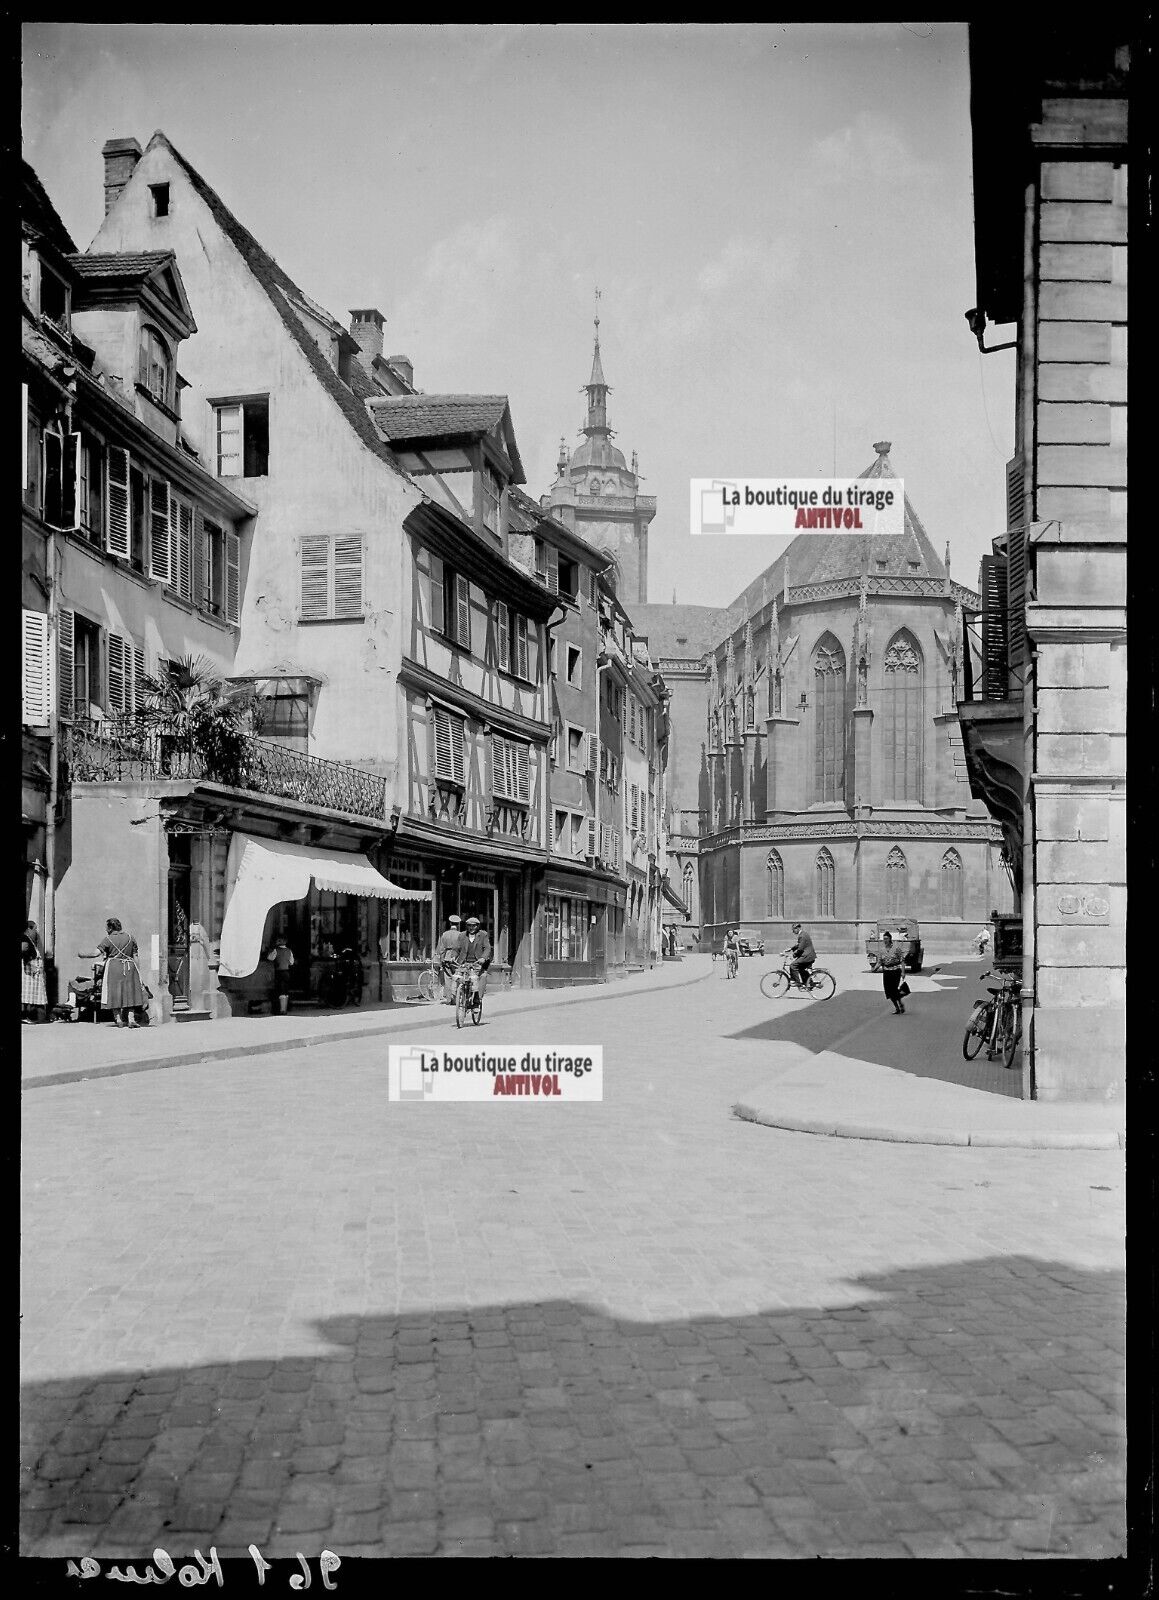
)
(366, 327)
(404, 366)
(121, 157)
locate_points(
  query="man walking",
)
(447, 954)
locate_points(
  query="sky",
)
(779, 220)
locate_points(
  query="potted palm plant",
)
(200, 722)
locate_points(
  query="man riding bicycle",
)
(475, 954)
(803, 955)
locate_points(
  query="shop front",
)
(579, 920)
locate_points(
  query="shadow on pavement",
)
(971, 1408)
(926, 1041)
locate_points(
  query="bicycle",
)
(996, 1023)
(731, 963)
(431, 982)
(776, 983)
(468, 1000)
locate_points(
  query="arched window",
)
(952, 884)
(826, 882)
(750, 709)
(155, 366)
(689, 877)
(902, 728)
(775, 882)
(829, 720)
(896, 883)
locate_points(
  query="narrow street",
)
(262, 1305)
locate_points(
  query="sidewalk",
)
(57, 1053)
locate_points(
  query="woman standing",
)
(33, 995)
(121, 988)
(892, 972)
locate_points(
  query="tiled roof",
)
(38, 211)
(428, 416)
(529, 514)
(125, 266)
(682, 631)
(277, 285)
(815, 558)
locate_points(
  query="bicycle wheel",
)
(428, 987)
(976, 1030)
(774, 984)
(1011, 1031)
(460, 1006)
(477, 1009)
(823, 985)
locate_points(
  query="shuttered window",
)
(36, 684)
(117, 503)
(62, 479)
(181, 546)
(65, 646)
(159, 538)
(519, 648)
(510, 768)
(449, 735)
(200, 563)
(138, 677)
(435, 592)
(995, 663)
(331, 577)
(120, 674)
(503, 634)
(232, 578)
(462, 619)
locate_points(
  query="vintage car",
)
(751, 944)
(906, 938)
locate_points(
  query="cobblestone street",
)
(262, 1305)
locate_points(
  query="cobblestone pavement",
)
(262, 1305)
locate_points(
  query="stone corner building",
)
(830, 782)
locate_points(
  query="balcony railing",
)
(118, 751)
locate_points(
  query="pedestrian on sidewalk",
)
(283, 958)
(122, 991)
(892, 972)
(447, 953)
(33, 995)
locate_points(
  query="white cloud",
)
(870, 148)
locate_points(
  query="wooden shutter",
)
(591, 836)
(522, 772)
(181, 546)
(348, 576)
(591, 741)
(521, 647)
(36, 694)
(53, 448)
(70, 482)
(117, 503)
(462, 611)
(65, 650)
(159, 564)
(994, 646)
(503, 635)
(138, 678)
(552, 569)
(200, 565)
(442, 723)
(438, 617)
(232, 577)
(117, 673)
(499, 765)
(1016, 541)
(1015, 493)
(315, 575)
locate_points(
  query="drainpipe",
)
(1027, 404)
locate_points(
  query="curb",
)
(1044, 1139)
(404, 1021)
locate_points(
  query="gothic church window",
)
(825, 875)
(896, 883)
(952, 885)
(901, 721)
(775, 885)
(829, 720)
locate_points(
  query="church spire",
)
(597, 389)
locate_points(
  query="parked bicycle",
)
(431, 982)
(776, 983)
(468, 1000)
(997, 1022)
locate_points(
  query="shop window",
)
(333, 924)
(405, 925)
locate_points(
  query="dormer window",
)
(53, 298)
(155, 367)
(492, 494)
(159, 198)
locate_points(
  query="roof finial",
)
(882, 447)
(597, 316)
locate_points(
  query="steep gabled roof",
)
(281, 289)
(38, 212)
(819, 557)
(685, 632)
(412, 418)
(127, 266)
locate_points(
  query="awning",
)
(262, 873)
(671, 896)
